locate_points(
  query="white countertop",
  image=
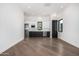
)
(35, 30)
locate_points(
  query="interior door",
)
(54, 29)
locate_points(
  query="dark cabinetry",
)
(37, 34)
(48, 34)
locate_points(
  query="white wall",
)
(11, 25)
(32, 20)
(71, 25)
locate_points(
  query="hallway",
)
(42, 47)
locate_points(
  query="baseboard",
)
(11, 45)
(68, 43)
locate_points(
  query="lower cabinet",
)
(38, 34)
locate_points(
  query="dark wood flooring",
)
(42, 47)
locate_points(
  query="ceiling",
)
(42, 9)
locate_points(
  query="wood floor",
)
(42, 47)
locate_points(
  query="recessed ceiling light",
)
(61, 6)
(28, 6)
